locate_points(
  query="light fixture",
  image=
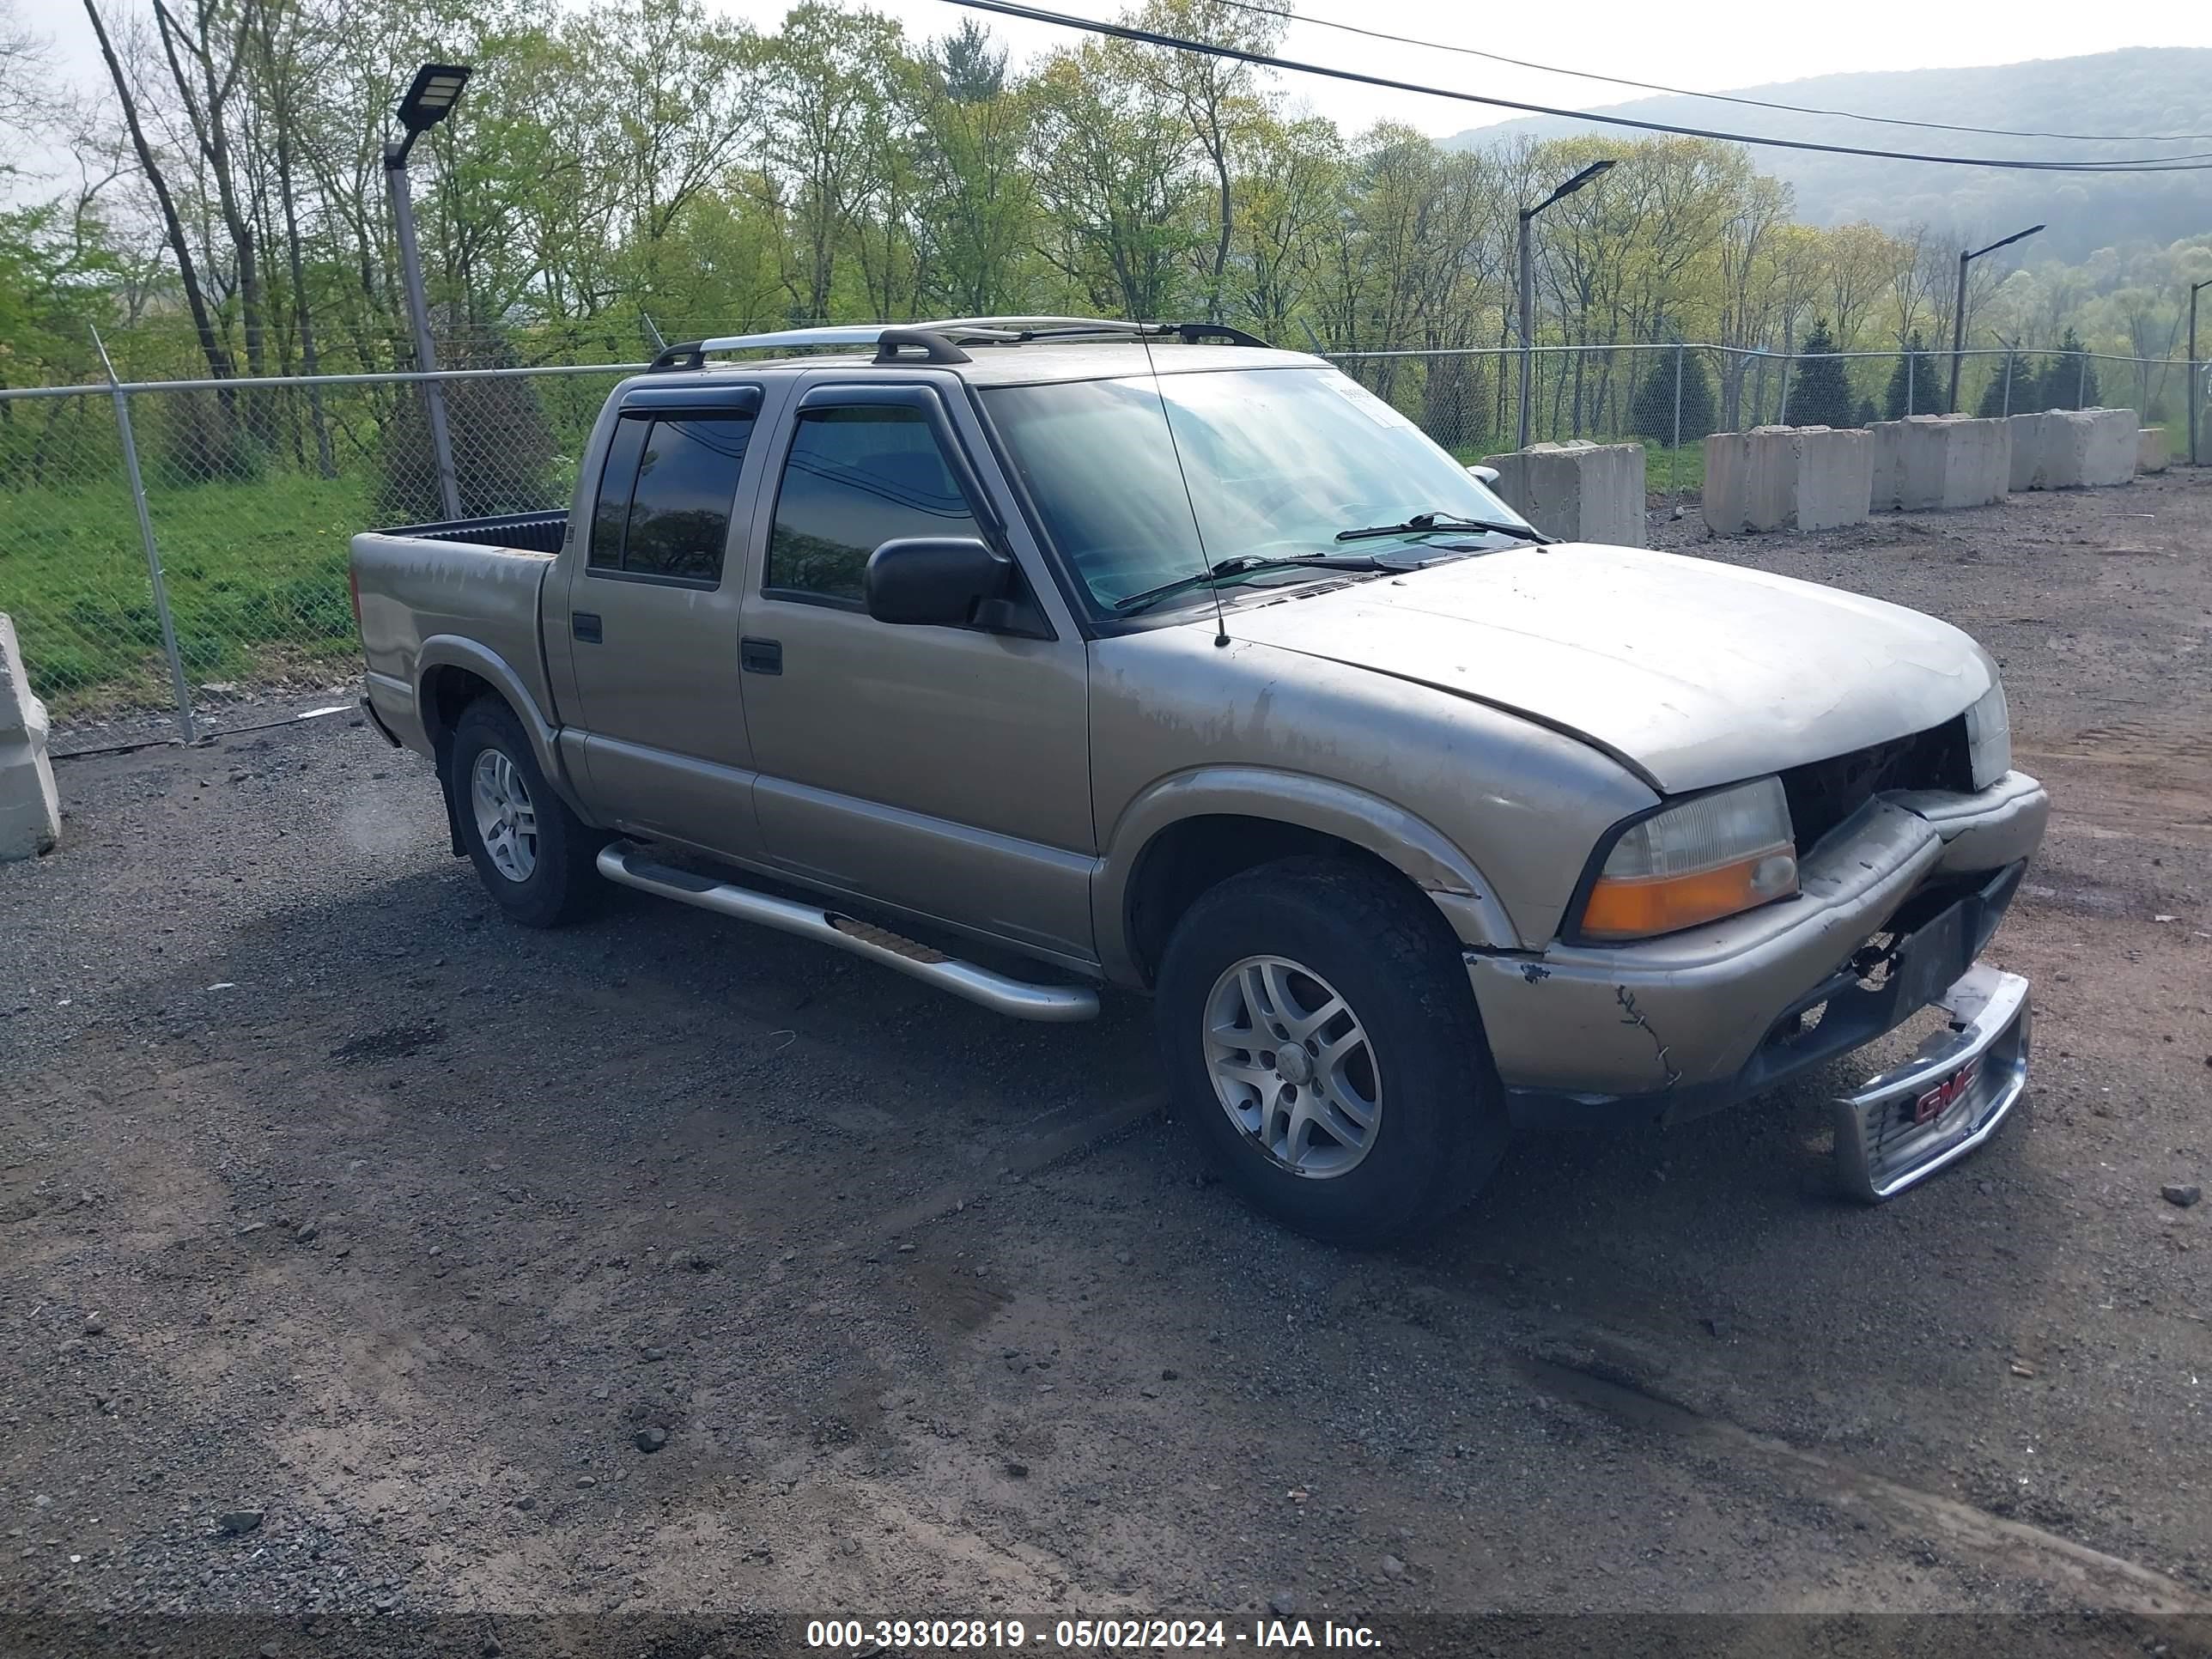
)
(430, 99)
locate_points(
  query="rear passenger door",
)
(653, 620)
(943, 769)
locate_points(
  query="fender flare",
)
(1416, 849)
(457, 651)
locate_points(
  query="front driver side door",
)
(945, 770)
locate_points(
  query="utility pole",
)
(2197, 388)
(1527, 286)
(1958, 310)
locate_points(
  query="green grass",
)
(1668, 472)
(255, 571)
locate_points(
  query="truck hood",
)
(1691, 672)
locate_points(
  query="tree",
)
(2067, 380)
(2011, 391)
(1112, 165)
(970, 68)
(1915, 385)
(1651, 411)
(1822, 394)
(1214, 94)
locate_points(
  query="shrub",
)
(1822, 393)
(1652, 410)
(504, 453)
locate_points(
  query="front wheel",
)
(534, 857)
(1321, 1040)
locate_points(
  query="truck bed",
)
(452, 592)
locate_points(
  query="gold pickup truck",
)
(1152, 657)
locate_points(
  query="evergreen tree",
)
(2026, 387)
(1652, 410)
(1822, 393)
(973, 70)
(2068, 380)
(1868, 413)
(1919, 395)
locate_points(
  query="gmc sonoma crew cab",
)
(1155, 658)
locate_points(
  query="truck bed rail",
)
(531, 532)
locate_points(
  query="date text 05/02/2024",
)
(1085, 1635)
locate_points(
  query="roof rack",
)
(1026, 329)
(941, 342)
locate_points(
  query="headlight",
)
(1989, 737)
(1706, 859)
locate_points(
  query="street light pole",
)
(1527, 286)
(428, 101)
(1958, 310)
(2196, 391)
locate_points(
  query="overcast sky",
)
(1716, 45)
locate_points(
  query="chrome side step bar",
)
(624, 861)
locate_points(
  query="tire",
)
(1407, 1042)
(538, 863)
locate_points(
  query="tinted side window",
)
(680, 516)
(855, 479)
(616, 477)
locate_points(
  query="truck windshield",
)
(1279, 461)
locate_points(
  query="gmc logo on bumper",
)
(1932, 1104)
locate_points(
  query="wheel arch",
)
(1191, 831)
(452, 672)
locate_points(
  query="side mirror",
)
(950, 581)
(1484, 475)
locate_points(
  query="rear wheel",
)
(534, 856)
(1322, 1042)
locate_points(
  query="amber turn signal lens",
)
(1637, 906)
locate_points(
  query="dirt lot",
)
(326, 1196)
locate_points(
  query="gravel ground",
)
(367, 1258)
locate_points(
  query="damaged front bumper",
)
(1895, 906)
(1948, 1099)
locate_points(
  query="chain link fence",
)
(181, 547)
(174, 552)
(1669, 397)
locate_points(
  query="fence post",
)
(146, 538)
(1674, 450)
(2081, 380)
(1789, 362)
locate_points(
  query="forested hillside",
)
(2167, 90)
(615, 162)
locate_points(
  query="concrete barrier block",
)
(2151, 452)
(1940, 461)
(2028, 440)
(1579, 491)
(1781, 478)
(30, 814)
(2085, 448)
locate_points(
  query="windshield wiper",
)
(1423, 523)
(1248, 564)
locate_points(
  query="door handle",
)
(761, 656)
(584, 625)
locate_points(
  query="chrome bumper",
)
(1913, 1120)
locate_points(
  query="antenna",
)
(1220, 621)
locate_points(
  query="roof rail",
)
(940, 341)
(1025, 329)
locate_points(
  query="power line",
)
(1267, 60)
(1716, 97)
